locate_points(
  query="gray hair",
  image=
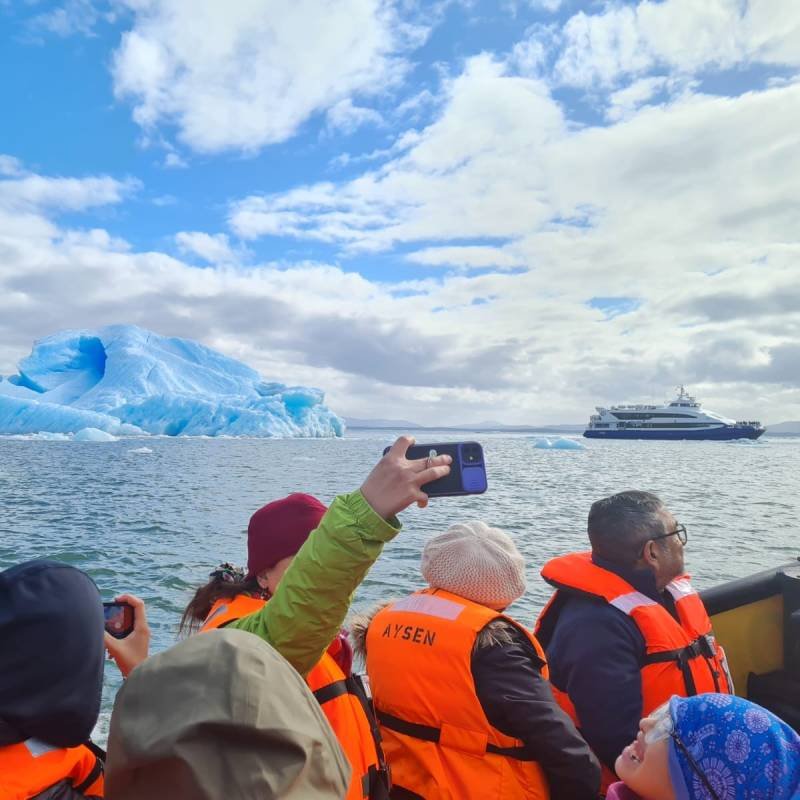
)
(619, 525)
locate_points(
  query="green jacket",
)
(308, 608)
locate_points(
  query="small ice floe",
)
(49, 436)
(93, 435)
(562, 443)
(141, 450)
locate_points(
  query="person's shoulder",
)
(576, 605)
(585, 616)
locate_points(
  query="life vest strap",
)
(401, 793)
(702, 647)
(427, 733)
(96, 749)
(334, 690)
(375, 783)
(96, 772)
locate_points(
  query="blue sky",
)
(67, 121)
(529, 206)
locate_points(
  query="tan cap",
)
(477, 562)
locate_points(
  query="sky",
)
(445, 211)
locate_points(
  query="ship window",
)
(653, 415)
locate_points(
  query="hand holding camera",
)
(127, 635)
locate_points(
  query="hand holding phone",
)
(467, 472)
(394, 483)
(119, 619)
(127, 632)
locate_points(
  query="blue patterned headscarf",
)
(744, 751)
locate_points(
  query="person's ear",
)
(650, 553)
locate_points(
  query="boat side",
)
(714, 434)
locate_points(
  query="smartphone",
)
(119, 619)
(467, 472)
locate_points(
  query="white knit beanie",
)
(477, 562)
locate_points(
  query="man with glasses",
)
(624, 630)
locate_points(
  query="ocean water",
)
(154, 516)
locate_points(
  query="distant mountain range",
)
(791, 428)
(489, 425)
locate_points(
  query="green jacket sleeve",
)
(312, 599)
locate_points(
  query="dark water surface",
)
(154, 516)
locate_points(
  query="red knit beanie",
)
(279, 529)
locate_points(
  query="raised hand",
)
(394, 483)
(133, 649)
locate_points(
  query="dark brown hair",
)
(205, 597)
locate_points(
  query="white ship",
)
(681, 418)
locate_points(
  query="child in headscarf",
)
(710, 747)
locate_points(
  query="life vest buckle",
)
(708, 646)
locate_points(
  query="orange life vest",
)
(31, 767)
(343, 701)
(682, 656)
(437, 739)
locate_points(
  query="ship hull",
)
(723, 434)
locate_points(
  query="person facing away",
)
(221, 716)
(710, 747)
(308, 561)
(460, 688)
(51, 680)
(625, 630)
(274, 535)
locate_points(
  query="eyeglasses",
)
(680, 532)
(712, 794)
(662, 727)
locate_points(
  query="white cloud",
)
(10, 166)
(686, 204)
(501, 163)
(529, 56)
(520, 346)
(547, 5)
(173, 160)
(215, 249)
(413, 106)
(70, 18)
(694, 197)
(461, 176)
(469, 257)
(244, 75)
(624, 102)
(23, 190)
(682, 35)
(346, 117)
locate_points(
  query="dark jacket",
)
(518, 702)
(596, 654)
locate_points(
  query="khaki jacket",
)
(221, 716)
